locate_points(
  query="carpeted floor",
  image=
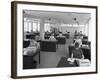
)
(51, 59)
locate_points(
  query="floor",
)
(51, 59)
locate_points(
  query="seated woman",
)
(78, 40)
(77, 52)
(32, 49)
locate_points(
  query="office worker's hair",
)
(76, 45)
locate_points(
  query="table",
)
(48, 45)
(66, 35)
(28, 60)
(30, 36)
(64, 63)
(61, 39)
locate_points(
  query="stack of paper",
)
(83, 62)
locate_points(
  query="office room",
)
(50, 39)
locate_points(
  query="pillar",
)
(42, 29)
(90, 29)
(32, 26)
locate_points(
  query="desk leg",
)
(39, 57)
(56, 46)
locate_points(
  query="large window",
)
(25, 26)
(47, 27)
(36, 25)
(31, 25)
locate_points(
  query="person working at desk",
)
(33, 42)
(52, 37)
(60, 34)
(33, 48)
(77, 52)
(78, 40)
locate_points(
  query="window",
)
(31, 25)
(36, 25)
(47, 27)
(25, 26)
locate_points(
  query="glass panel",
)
(25, 26)
(34, 26)
(29, 23)
(47, 27)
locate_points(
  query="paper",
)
(71, 59)
(83, 62)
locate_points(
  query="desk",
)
(86, 52)
(48, 45)
(47, 37)
(66, 35)
(61, 39)
(28, 59)
(30, 36)
(64, 63)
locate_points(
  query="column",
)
(42, 29)
(86, 29)
(31, 26)
(90, 29)
(37, 26)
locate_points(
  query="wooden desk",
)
(48, 45)
(28, 59)
(30, 36)
(64, 63)
(29, 62)
(66, 35)
(61, 40)
(47, 37)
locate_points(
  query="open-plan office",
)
(50, 37)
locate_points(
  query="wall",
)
(5, 41)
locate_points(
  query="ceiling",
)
(60, 17)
